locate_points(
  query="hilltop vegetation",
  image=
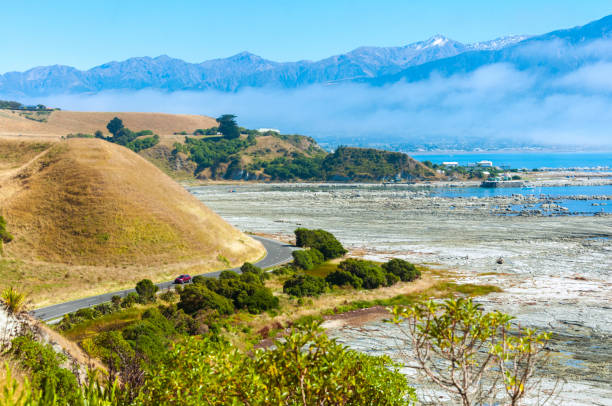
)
(281, 157)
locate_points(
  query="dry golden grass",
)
(89, 216)
(61, 123)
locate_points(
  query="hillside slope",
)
(100, 209)
(60, 123)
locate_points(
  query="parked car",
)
(182, 279)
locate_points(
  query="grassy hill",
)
(183, 155)
(88, 215)
(291, 158)
(58, 123)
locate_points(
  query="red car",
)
(182, 279)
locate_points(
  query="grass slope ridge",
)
(90, 202)
(57, 123)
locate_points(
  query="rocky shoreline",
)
(556, 270)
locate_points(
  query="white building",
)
(265, 130)
(486, 164)
(450, 163)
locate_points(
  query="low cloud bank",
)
(497, 102)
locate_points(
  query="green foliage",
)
(344, 278)
(304, 368)
(92, 394)
(249, 268)
(307, 259)
(207, 131)
(5, 236)
(124, 136)
(246, 292)
(146, 290)
(13, 300)
(304, 285)
(321, 240)
(212, 152)
(197, 296)
(371, 275)
(129, 300)
(482, 348)
(367, 164)
(169, 296)
(406, 271)
(43, 364)
(114, 126)
(228, 126)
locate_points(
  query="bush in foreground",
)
(304, 368)
(304, 285)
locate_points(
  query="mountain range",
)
(373, 65)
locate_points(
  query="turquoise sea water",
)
(529, 160)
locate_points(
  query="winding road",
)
(276, 253)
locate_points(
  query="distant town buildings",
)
(450, 164)
(485, 164)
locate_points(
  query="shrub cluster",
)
(229, 292)
(359, 273)
(304, 368)
(304, 285)
(46, 374)
(321, 240)
(307, 259)
(404, 270)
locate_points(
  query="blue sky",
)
(87, 33)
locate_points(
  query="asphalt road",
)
(276, 253)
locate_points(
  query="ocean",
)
(529, 160)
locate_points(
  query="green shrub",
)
(344, 278)
(321, 240)
(307, 259)
(370, 273)
(197, 297)
(391, 279)
(304, 285)
(305, 367)
(5, 236)
(146, 290)
(247, 267)
(85, 313)
(169, 296)
(129, 300)
(43, 363)
(116, 301)
(260, 300)
(406, 271)
(228, 275)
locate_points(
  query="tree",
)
(468, 352)
(114, 126)
(325, 242)
(146, 291)
(228, 126)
